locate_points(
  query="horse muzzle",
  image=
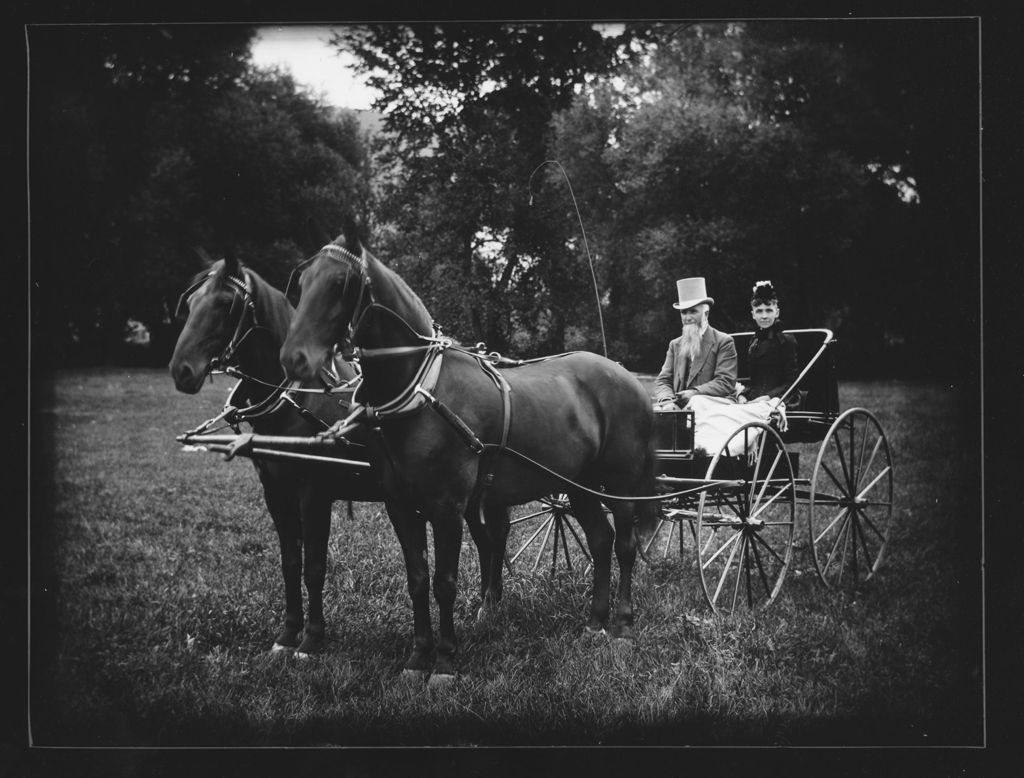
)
(299, 363)
(188, 379)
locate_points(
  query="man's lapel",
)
(702, 356)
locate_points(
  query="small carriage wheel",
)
(745, 530)
(850, 502)
(550, 523)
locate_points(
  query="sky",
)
(303, 51)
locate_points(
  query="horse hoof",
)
(622, 645)
(594, 634)
(440, 681)
(414, 676)
(277, 648)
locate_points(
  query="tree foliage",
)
(151, 142)
(468, 109)
(784, 151)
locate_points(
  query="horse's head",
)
(214, 309)
(327, 292)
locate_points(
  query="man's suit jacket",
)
(713, 372)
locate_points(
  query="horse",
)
(492, 438)
(233, 317)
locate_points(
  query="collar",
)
(768, 332)
(410, 399)
(704, 327)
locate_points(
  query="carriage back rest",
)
(816, 368)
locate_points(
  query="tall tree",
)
(468, 107)
(743, 151)
(148, 142)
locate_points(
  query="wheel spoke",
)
(871, 524)
(835, 546)
(668, 540)
(760, 564)
(874, 481)
(720, 499)
(874, 453)
(560, 533)
(862, 536)
(767, 480)
(521, 519)
(742, 571)
(533, 537)
(739, 572)
(831, 524)
(757, 466)
(654, 535)
(828, 470)
(747, 564)
(846, 547)
(771, 550)
(579, 542)
(842, 461)
(860, 459)
(543, 544)
(725, 572)
(772, 499)
(729, 542)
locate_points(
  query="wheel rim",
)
(745, 531)
(851, 500)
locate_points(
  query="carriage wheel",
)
(745, 532)
(659, 545)
(851, 500)
(550, 530)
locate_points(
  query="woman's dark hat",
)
(764, 292)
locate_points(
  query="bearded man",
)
(702, 360)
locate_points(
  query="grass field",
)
(157, 593)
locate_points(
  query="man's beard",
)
(691, 341)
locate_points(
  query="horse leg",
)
(482, 542)
(447, 527)
(284, 510)
(497, 531)
(625, 553)
(315, 504)
(590, 515)
(411, 531)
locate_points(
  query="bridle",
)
(242, 288)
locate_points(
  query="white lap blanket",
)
(716, 418)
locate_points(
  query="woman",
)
(772, 353)
(773, 368)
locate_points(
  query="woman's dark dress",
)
(772, 360)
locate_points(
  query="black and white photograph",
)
(542, 384)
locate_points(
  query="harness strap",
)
(492, 453)
(411, 399)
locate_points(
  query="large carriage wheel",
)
(851, 500)
(745, 532)
(550, 530)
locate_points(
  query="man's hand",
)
(684, 396)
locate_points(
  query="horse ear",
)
(354, 232)
(203, 255)
(230, 260)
